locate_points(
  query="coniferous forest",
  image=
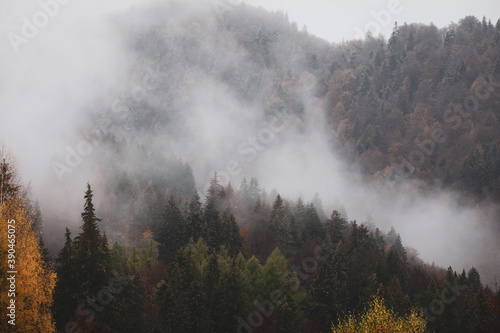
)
(166, 214)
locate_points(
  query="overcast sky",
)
(337, 20)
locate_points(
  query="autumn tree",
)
(34, 283)
(377, 318)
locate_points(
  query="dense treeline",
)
(199, 270)
(427, 98)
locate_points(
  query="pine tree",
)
(314, 229)
(392, 235)
(316, 201)
(279, 222)
(278, 275)
(399, 248)
(64, 294)
(128, 314)
(329, 288)
(172, 234)
(118, 257)
(254, 190)
(336, 227)
(149, 254)
(44, 251)
(153, 211)
(230, 233)
(473, 279)
(134, 260)
(180, 296)
(92, 257)
(396, 267)
(229, 296)
(410, 44)
(9, 186)
(396, 299)
(195, 226)
(244, 189)
(214, 205)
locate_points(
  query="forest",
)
(165, 225)
(242, 260)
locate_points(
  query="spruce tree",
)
(328, 292)
(254, 190)
(92, 257)
(214, 204)
(64, 294)
(473, 279)
(316, 201)
(171, 236)
(335, 228)
(314, 229)
(195, 226)
(230, 233)
(279, 222)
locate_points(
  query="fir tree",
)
(336, 227)
(92, 258)
(314, 229)
(214, 204)
(64, 301)
(329, 288)
(279, 222)
(195, 226)
(230, 234)
(473, 279)
(172, 235)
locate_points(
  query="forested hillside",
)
(425, 100)
(164, 216)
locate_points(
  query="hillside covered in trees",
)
(164, 214)
(241, 261)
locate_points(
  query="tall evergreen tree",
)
(214, 205)
(279, 222)
(230, 233)
(92, 258)
(195, 225)
(336, 227)
(316, 201)
(172, 234)
(254, 190)
(314, 229)
(328, 292)
(64, 301)
(9, 185)
(473, 279)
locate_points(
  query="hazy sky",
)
(342, 19)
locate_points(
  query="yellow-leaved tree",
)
(33, 281)
(378, 318)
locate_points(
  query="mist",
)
(86, 72)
